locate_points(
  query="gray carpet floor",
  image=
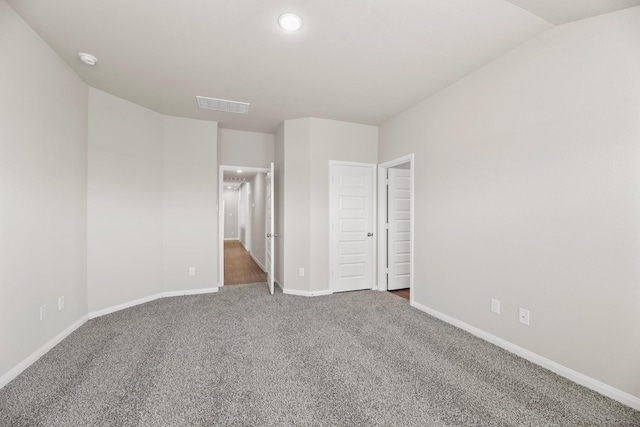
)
(242, 357)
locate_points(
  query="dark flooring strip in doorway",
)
(404, 293)
(239, 266)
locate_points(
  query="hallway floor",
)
(239, 266)
(404, 293)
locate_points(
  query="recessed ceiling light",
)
(87, 59)
(290, 22)
(239, 171)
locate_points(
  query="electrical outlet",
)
(43, 311)
(192, 271)
(60, 303)
(495, 306)
(524, 316)
(301, 272)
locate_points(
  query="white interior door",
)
(269, 226)
(399, 234)
(352, 226)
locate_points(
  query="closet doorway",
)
(242, 225)
(396, 227)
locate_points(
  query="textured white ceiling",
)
(357, 61)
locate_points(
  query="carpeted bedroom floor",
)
(242, 357)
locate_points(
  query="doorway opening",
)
(396, 227)
(242, 198)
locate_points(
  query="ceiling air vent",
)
(223, 105)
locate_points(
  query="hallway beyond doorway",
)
(239, 266)
(403, 293)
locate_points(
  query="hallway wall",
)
(231, 198)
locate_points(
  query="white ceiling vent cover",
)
(223, 105)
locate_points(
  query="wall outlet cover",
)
(495, 306)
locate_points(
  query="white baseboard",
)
(124, 305)
(279, 285)
(189, 292)
(17, 370)
(230, 238)
(306, 293)
(258, 262)
(150, 298)
(577, 377)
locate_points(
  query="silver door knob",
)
(268, 234)
(369, 234)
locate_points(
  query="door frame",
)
(382, 230)
(221, 170)
(374, 212)
(269, 226)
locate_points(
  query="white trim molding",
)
(258, 262)
(128, 304)
(306, 293)
(150, 298)
(33, 357)
(577, 377)
(382, 231)
(189, 292)
(221, 169)
(17, 370)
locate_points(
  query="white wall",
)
(244, 214)
(241, 148)
(152, 211)
(231, 198)
(101, 201)
(527, 189)
(190, 204)
(43, 148)
(125, 201)
(295, 231)
(309, 145)
(331, 140)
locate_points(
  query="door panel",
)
(269, 227)
(352, 226)
(399, 220)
